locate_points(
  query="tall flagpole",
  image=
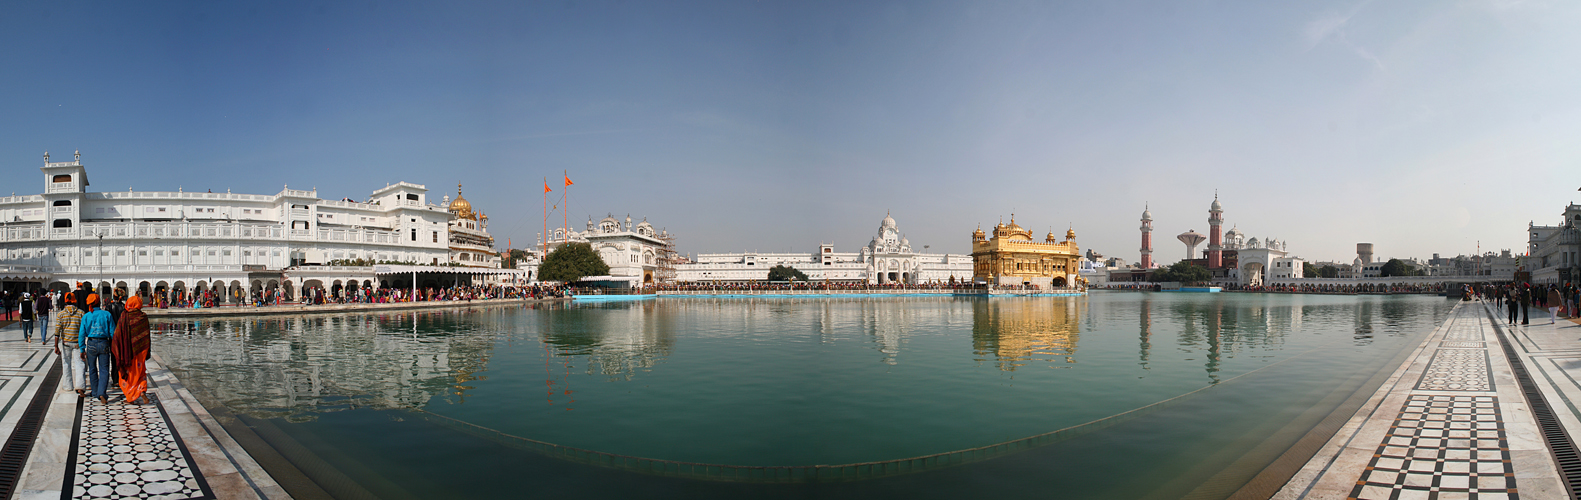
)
(565, 210)
(545, 248)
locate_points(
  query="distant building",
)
(151, 242)
(1554, 252)
(1501, 266)
(1012, 257)
(470, 243)
(1231, 257)
(888, 258)
(632, 251)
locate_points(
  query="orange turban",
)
(134, 303)
(93, 298)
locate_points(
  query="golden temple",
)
(1011, 257)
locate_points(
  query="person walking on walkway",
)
(96, 332)
(67, 323)
(42, 311)
(130, 348)
(1526, 304)
(25, 306)
(1512, 300)
(1554, 300)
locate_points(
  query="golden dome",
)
(461, 207)
(1070, 234)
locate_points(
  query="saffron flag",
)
(568, 180)
(546, 187)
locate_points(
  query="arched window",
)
(62, 203)
(62, 222)
(62, 178)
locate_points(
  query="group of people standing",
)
(96, 338)
(1518, 299)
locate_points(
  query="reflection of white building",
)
(235, 243)
(888, 258)
(631, 250)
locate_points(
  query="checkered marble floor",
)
(1451, 422)
(1441, 447)
(129, 451)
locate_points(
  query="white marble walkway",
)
(85, 449)
(1451, 422)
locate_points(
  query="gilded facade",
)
(1012, 257)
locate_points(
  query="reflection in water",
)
(885, 322)
(1019, 331)
(618, 340)
(293, 367)
(296, 366)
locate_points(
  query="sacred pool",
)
(1110, 395)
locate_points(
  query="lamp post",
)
(100, 233)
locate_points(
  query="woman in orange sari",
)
(129, 348)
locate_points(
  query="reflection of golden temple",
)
(1012, 257)
(1021, 331)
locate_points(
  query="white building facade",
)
(632, 250)
(143, 241)
(887, 259)
(1554, 252)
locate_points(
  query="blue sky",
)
(1421, 127)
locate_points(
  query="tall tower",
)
(1215, 242)
(1147, 238)
(1191, 238)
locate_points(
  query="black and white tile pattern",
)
(129, 451)
(1442, 446)
(1462, 345)
(1457, 370)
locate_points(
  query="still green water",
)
(350, 399)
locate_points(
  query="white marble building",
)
(1554, 252)
(230, 242)
(632, 250)
(888, 258)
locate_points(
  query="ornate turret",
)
(1215, 241)
(1147, 238)
(461, 207)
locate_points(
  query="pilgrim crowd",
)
(99, 339)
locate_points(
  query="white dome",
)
(1216, 205)
(889, 222)
(1147, 214)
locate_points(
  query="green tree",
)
(1395, 267)
(1328, 272)
(786, 273)
(510, 260)
(572, 262)
(1184, 272)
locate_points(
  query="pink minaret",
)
(1215, 242)
(1147, 238)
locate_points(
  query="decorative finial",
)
(458, 190)
(77, 154)
(46, 157)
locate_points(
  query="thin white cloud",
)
(1332, 27)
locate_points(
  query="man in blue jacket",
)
(95, 333)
